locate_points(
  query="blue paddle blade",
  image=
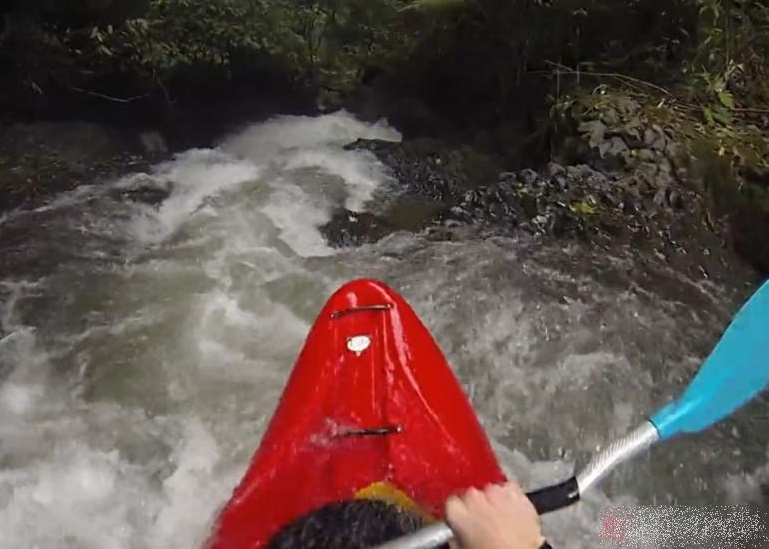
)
(736, 371)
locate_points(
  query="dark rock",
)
(496, 205)
(666, 198)
(659, 144)
(595, 131)
(45, 158)
(147, 194)
(754, 175)
(430, 168)
(576, 201)
(347, 228)
(631, 133)
(649, 137)
(618, 146)
(554, 169)
(646, 155)
(610, 117)
(528, 176)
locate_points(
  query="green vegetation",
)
(484, 63)
(47, 44)
(712, 51)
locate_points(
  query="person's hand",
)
(499, 517)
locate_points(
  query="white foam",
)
(183, 511)
(241, 343)
(263, 141)
(297, 215)
(195, 176)
(78, 494)
(747, 487)
(68, 499)
(282, 161)
(361, 171)
(20, 399)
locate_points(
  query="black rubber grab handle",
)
(555, 497)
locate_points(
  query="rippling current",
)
(143, 348)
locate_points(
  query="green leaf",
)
(583, 208)
(722, 116)
(726, 98)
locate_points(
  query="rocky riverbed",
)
(611, 185)
(627, 189)
(38, 160)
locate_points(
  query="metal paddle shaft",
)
(733, 374)
(553, 497)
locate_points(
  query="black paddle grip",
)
(555, 497)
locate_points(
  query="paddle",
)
(735, 372)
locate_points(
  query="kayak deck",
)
(371, 400)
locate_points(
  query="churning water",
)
(144, 347)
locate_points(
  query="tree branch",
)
(562, 69)
(109, 97)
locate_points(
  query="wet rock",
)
(618, 146)
(595, 131)
(659, 144)
(430, 168)
(610, 117)
(649, 136)
(347, 228)
(497, 204)
(147, 194)
(554, 170)
(44, 158)
(573, 201)
(668, 198)
(655, 198)
(646, 155)
(528, 176)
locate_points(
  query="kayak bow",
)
(371, 409)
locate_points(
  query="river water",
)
(144, 347)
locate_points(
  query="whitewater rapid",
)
(143, 347)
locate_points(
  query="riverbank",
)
(617, 177)
(622, 173)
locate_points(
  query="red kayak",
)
(371, 409)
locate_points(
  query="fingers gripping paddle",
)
(734, 372)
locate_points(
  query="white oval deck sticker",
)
(358, 344)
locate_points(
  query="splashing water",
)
(144, 347)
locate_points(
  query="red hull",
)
(308, 456)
